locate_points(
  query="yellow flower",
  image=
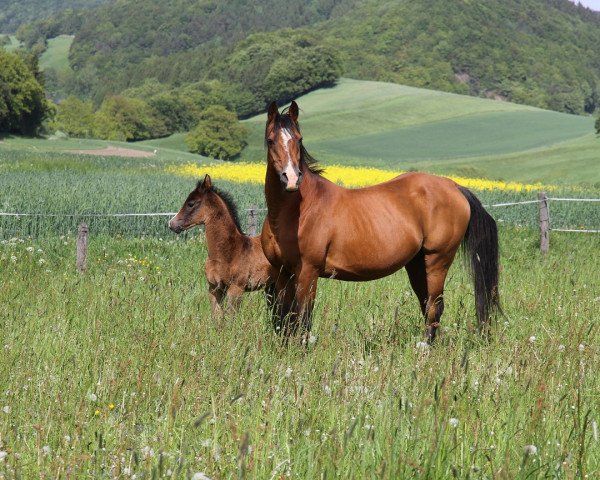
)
(97, 412)
(111, 406)
(343, 175)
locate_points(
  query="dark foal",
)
(236, 262)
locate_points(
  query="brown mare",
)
(235, 263)
(315, 228)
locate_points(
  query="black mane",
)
(229, 203)
(285, 121)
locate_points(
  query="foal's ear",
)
(273, 112)
(293, 111)
(207, 184)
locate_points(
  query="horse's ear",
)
(273, 112)
(293, 111)
(207, 184)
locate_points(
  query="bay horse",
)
(315, 228)
(235, 263)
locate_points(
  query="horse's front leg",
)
(306, 291)
(282, 303)
(216, 296)
(234, 297)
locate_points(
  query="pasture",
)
(123, 371)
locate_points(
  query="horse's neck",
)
(222, 234)
(277, 198)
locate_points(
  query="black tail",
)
(481, 248)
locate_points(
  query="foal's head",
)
(194, 208)
(284, 145)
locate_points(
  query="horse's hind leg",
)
(427, 274)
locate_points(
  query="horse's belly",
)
(368, 265)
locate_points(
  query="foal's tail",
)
(480, 245)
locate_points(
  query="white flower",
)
(453, 422)
(67, 438)
(423, 346)
(29, 249)
(6, 409)
(13, 258)
(581, 347)
(92, 397)
(561, 348)
(200, 476)
(46, 450)
(147, 452)
(288, 372)
(41, 261)
(312, 339)
(530, 450)
(3, 455)
(532, 339)
(327, 390)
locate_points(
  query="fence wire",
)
(155, 224)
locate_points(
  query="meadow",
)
(122, 371)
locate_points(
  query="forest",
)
(181, 56)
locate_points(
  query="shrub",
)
(218, 134)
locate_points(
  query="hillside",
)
(15, 13)
(392, 126)
(537, 52)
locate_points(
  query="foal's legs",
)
(216, 295)
(427, 274)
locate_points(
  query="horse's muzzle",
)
(176, 227)
(291, 180)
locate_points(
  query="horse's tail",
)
(480, 245)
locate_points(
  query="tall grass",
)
(123, 371)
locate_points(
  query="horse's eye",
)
(270, 142)
(191, 204)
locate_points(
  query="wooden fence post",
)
(544, 223)
(252, 221)
(82, 246)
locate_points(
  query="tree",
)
(597, 125)
(75, 117)
(122, 118)
(218, 134)
(23, 106)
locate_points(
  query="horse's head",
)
(192, 212)
(284, 145)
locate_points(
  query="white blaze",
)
(292, 178)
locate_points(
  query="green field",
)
(13, 44)
(386, 125)
(56, 55)
(123, 371)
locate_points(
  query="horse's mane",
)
(230, 204)
(285, 121)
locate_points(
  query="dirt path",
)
(115, 152)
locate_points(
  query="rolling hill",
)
(537, 52)
(392, 126)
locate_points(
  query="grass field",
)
(122, 371)
(14, 43)
(393, 126)
(56, 55)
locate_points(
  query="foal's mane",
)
(285, 121)
(229, 203)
